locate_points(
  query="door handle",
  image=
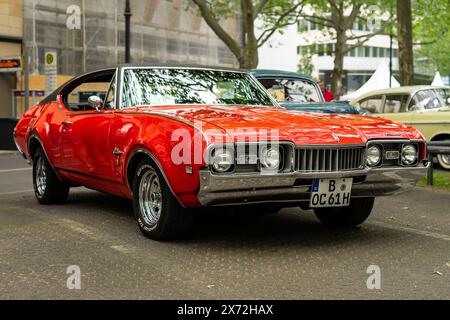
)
(66, 123)
(117, 152)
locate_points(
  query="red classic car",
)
(173, 139)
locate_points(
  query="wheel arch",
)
(135, 157)
(440, 137)
(33, 144)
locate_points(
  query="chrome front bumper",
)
(287, 187)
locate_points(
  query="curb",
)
(4, 152)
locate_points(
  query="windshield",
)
(190, 86)
(292, 90)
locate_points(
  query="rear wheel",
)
(158, 213)
(353, 215)
(444, 161)
(47, 186)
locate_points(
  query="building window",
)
(360, 52)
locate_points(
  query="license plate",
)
(331, 192)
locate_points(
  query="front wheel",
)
(444, 161)
(158, 213)
(47, 186)
(353, 215)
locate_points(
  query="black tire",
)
(351, 216)
(173, 220)
(48, 189)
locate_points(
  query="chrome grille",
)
(328, 159)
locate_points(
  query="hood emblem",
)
(392, 134)
(336, 137)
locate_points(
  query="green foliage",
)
(305, 64)
(431, 30)
(441, 180)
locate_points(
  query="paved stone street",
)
(286, 256)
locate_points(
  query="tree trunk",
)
(338, 70)
(249, 59)
(405, 47)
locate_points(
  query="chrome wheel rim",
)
(150, 198)
(445, 159)
(41, 176)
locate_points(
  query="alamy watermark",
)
(374, 280)
(73, 21)
(74, 280)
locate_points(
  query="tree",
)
(305, 65)
(338, 17)
(273, 15)
(431, 33)
(405, 43)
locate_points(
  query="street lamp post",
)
(127, 15)
(390, 51)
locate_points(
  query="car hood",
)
(255, 123)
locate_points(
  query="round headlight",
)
(270, 158)
(222, 160)
(373, 156)
(409, 154)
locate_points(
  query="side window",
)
(444, 94)
(128, 93)
(373, 104)
(395, 104)
(423, 100)
(77, 99)
(110, 100)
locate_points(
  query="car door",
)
(394, 108)
(86, 146)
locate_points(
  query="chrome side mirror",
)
(95, 102)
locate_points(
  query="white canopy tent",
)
(379, 80)
(437, 81)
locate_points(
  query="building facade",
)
(313, 43)
(11, 31)
(87, 35)
(306, 41)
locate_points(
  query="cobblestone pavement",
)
(285, 256)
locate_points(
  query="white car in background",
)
(426, 108)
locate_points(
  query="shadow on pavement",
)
(290, 227)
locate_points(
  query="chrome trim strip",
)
(18, 147)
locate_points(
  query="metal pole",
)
(430, 170)
(26, 80)
(83, 8)
(127, 15)
(390, 51)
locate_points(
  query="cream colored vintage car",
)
(426, 108)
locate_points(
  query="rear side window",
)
(445, 95)
(425, 100)
(373, 104)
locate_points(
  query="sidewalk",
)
(9, 152)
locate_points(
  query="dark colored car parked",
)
(299, 92)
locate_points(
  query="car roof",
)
(270, 73)
(179, 66)
(398, 90)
